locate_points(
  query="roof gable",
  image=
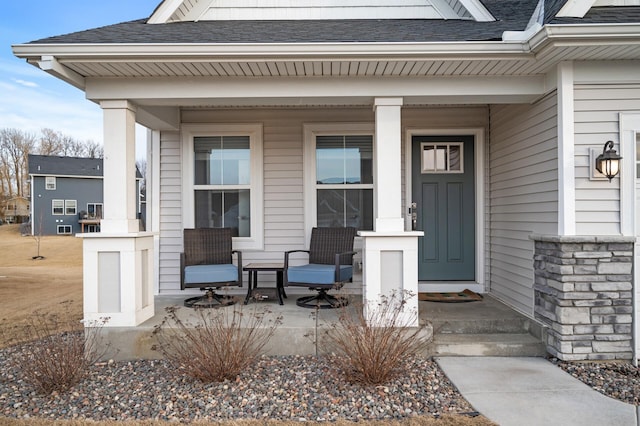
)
(224, 10)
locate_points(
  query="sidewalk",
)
(532, 391)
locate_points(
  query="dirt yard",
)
(51, 285)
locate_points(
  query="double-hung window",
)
(340, 170)
(226, 180)
(57, 207)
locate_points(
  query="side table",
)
(254, 268)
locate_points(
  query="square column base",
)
(118, 278)
(390, 266)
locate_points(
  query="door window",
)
(445, 157)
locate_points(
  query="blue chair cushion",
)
(195, 274)
(314, 273)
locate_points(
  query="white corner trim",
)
(566, 151)
(629, 131)
(575, 8)
(479, 147)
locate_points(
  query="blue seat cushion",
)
(196, 274)
(314, 273)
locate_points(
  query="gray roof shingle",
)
(511, 15)
(64, 166)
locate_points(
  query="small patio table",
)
(254, 268)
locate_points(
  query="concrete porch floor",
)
(302, 327)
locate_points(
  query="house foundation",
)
(583, 293)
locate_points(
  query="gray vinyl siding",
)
(170, 211)
(283, 151)
(283, 191)
(596, 118)
(523, 176)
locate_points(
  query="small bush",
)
(219, 345)
(60, 351)
(371, 348)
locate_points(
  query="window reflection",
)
(222, 160)
(344, 159)
(224, 209)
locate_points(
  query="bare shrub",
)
(372, 347)
(218, 345)
(59, 353)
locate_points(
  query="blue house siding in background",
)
(67, 194)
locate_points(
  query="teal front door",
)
(443, 189)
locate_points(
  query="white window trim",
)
(47, 181)
(65, 233)
(75, 208)
(53, 213)
(254, 131)
(311, 131)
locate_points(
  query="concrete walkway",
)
(532, 391)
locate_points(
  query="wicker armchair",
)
(330, 266)
(207, 263)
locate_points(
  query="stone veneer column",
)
(583, 293)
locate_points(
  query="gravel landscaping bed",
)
(290, 388)
(617, 380)
(280, 388)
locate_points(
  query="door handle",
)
(413, 211)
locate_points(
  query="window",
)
(222, 183)
(442, 157)
(94, 211)
(65, 229)
(57, 207)
(70, 207)
(50, 183)
(339, 165)
(226, 181)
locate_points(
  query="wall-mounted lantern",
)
(608, 163)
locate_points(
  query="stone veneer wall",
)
(583, 293)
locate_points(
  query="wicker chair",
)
(207, 263)
(330, 266)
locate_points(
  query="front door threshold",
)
(449, 286)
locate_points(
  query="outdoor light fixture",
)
(608, 163)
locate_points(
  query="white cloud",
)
(26, 83)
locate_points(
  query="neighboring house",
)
(459, 136)
(16, 210)
(67, 194)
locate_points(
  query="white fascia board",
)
(279, 51)
(164, 11)
(193, 90)
(575, 8)
(585, 35)
(477, 10)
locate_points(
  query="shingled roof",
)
(511, 15)
(64, 166)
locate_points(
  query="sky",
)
(31, 99)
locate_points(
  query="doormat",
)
(463, 296)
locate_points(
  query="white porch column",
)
(388, 159)
(390, 254)
(118, 261)
(119, 168)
